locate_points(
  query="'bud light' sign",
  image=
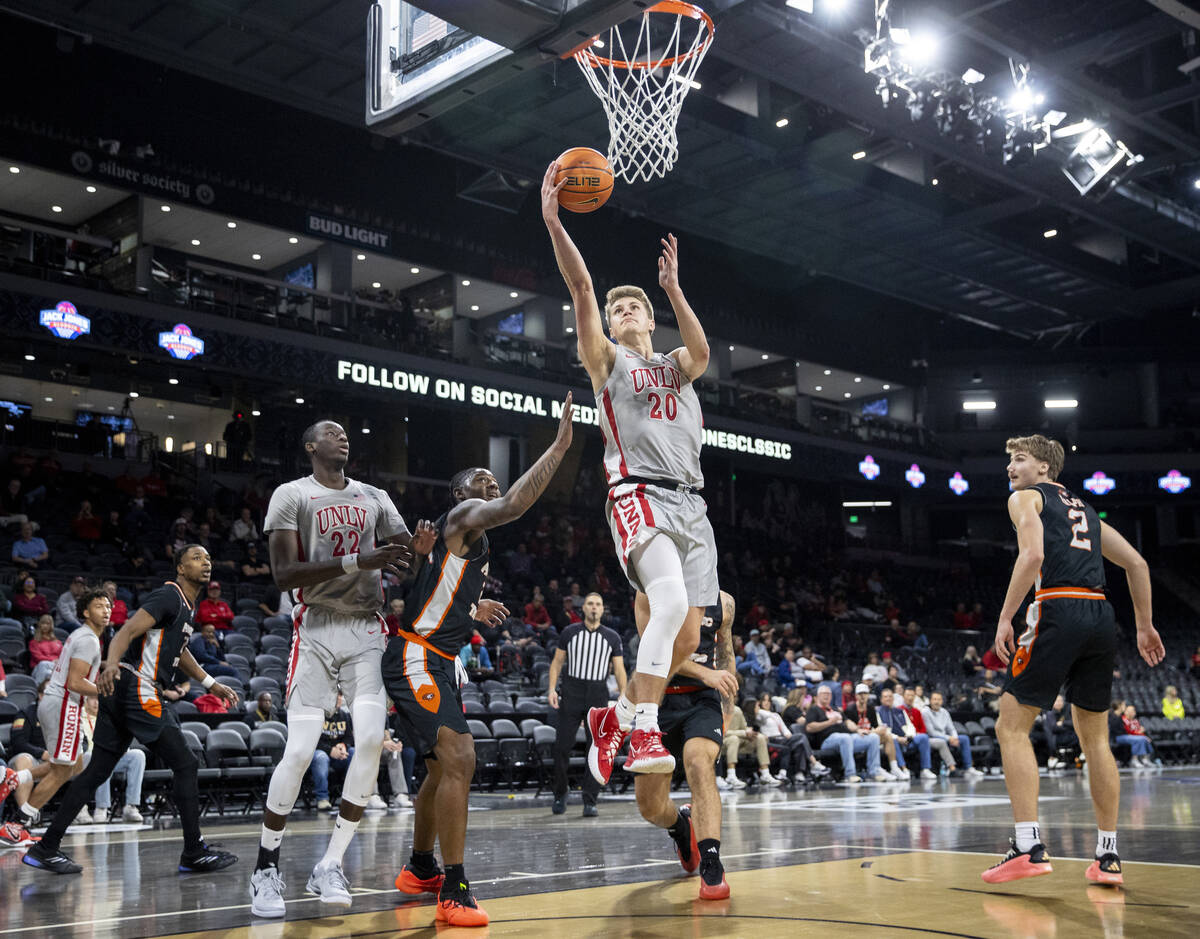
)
(958, 485)
(915, 477)
(1174, 482)
(868, 467)
(181, 343)
(1099, 484)
(65, 321)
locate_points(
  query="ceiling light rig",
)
(1015, 129)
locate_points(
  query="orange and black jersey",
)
(1070, 540)
(154, 656)
(444, 595)
(706, 651)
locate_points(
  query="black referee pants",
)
(576, 697)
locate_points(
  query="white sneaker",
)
(853, 779)
(1051, 763)
(330, 884)
(83, 818)
(782, 775)
(882, 777)
(323, 804)
(898, 774)
(766, 779)
(971, 773)
(132, 815)
(734, 782)
(375, 802)
(928, 774)
(401, 801)
(266, 893)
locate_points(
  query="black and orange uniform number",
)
(690, 708)
(1070, 637)
(418, 666)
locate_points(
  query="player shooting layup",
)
(652, 429)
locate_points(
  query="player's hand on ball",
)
(423, 538)
(550, 190)
(107, 678)
(492, 612)
(1005, 647)
(392, 558)
(668, 263)
(565, 431)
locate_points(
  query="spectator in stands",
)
(940, 726)
(237, 439)
(907, 703)
(785, 671)
(12, 504)
(112, 530)
(987, 691)
(874, 673)
(44, 646)
(810, 662)
(400, 760)
(212, 609)
(905, 734)
(893, 682)
(1058, 731)
(132, 765)
(206, 649)
(27, 604)
(827, 733)
(243, 528)
(65, 607)
(1172, 705)
(177, 540)
(796, 758)
(28, 551)
(757, 660)
(798, 703)
(204, 538)
(1195, 666)
(831, 678)
(1135, 736)
(536, 613)
(255, 569)
(475, 659)
(862, 719)
(737, 734)
(264, 710)
(962, 619)
(3, 687)
(569, 615)
(120, 612)
(86, 526)
(395, 616)
(917, 639)
(334, 750)
(972, 664)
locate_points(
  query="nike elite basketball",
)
(589, 179)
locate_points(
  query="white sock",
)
(1106, 842)
(24, 776)
(625, 712)
(646, 717)
(1028, 834)
(28, 811)
(270, 839)
(343, 831)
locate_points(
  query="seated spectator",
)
(243, 528)
(904, 733)
(600, 581)
(401, 760)
(475, 659)
(1135, 736)
(12, 504)
(797, 705)
(1172, 705)
(27, 604)
(204, 538)
(810, 662)
(889, 663)
(546, 636)
(212, 609)
(827, 733)
(177, 540)
(831, 678)
(919, 699)
(132, 766)
(917, 639)
(987, 691)
(1058, 731)
(862, 719)
(112, 530)
(536, 613)
(264, 710)
(395, 616)
(65, 606)
(796, 758)
(207, 650)
(255, 569)
(120, 612)
(570, 614)
(757, 660)
(784, 673)
(29, 552)
(334, 750)
(874, 673)
(893, 682)
(44, 646)
(86, 526)
(740, 732)
(940, 727)
(962, 619)
(972, 664)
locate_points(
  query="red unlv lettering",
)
(658, 377)
(341, 516)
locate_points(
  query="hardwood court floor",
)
(878, 860)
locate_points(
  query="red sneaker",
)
(461, 911)
(647, 753)
(408, 882)
(16, 835)
(607, 738)
(1106, 870)
(1018, 865)
(692, 861)
(8, 783)
(714, 891)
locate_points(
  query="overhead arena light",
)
(1094, 157)
(973, 76)
(1073, 130)
(866, 505)
(979, 405)
(1063, 404)
(804, 6)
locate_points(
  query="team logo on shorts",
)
(428, 696)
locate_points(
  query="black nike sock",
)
(423, 864)
(455, 884)
(267, 857)
(711, 868)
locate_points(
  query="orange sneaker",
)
(408, 882)
(1018, 865)
(1106, 870)
(461, 910)
(712, 888)
(647, 753)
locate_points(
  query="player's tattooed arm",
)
(476, 515)
(723, 655)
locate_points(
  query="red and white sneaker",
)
(647, 753)
(16, 835)
(607, 738)
(1019, 864)
(8, 783)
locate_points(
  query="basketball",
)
(589, 179)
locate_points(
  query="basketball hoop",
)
(643, 84)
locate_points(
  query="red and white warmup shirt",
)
(67, 706)
(650, 419)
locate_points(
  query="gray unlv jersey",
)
(650, 420)
(331, 523)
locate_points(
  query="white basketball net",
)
(642, 89)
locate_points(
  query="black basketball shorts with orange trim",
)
(423, 686)
(685, 715)
(1068, 645)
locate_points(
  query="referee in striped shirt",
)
(587, 649)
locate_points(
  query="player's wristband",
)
(208, 681)
(350, 563)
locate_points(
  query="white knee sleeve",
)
(370, 717)
(304, 732)
(668, 610)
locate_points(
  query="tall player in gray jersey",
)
(652, 427)
(323, 530)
